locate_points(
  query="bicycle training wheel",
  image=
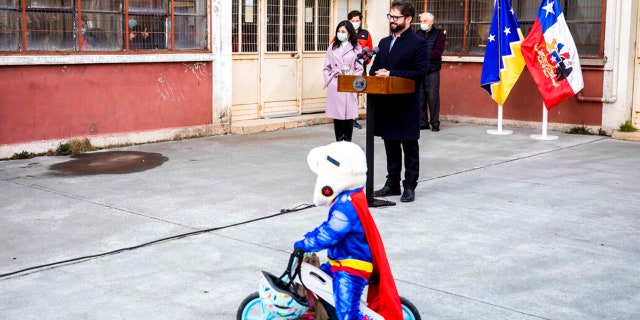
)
(409, 311)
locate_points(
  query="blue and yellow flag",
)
(503, 60)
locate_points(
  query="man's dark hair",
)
(354, 13)
(405, 7)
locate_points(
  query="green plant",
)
(627, 127)
(23, 155)
(581, 130)
(63, 149)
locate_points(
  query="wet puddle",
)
(109, 162)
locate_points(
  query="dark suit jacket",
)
(397, 117)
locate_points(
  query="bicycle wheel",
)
(251, 309)
(409, 311)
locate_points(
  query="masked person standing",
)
(397, 117)
(430, 90)
(341, 56)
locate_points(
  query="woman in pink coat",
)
(342, 107)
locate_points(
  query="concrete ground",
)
(503, 227)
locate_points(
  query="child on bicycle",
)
(355, 250)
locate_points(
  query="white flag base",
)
(544, 137)
(499, 132)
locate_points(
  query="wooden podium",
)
(374, 86)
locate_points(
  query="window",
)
(467, 22)
(244, 30)
(282, 25)
(316, 25)
(103, 25)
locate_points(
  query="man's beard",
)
(398, 27)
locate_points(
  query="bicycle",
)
(315, 281)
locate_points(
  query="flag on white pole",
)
(503, 60)
(551, 55)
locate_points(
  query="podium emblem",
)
(359, 84)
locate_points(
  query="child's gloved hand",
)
(312, 259)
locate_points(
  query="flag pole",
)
(545, 119)
(499, 131)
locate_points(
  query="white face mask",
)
(356, 25)
(342, 37)
(425, 26)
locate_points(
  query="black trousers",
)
(394, 150)
(429, 96)
(343, 129)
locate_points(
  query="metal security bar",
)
(282, 28)
(244, 30)
(466, 22)
(28, 26)
(316, 25)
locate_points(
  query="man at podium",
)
(397, 117)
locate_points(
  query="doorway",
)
(278, 50)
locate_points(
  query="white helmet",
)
(340, 166)
(280, 298)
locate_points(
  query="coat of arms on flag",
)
(555, 61)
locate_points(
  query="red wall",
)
(64, 101)
(461, 95)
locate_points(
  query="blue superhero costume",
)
(356, 254)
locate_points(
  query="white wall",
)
(222, 60)
(376, 19)
(620, 50)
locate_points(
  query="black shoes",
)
(435, 127)
(408, 195)
(387, 191)
(424, 127)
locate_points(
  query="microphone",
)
(375, 51)
(363, 53)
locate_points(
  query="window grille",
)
(316, 25)
(103, 25)
(245, 26)
(282, 25)
(467, 22)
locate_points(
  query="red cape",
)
(383, 296)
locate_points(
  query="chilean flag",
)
(551, 55)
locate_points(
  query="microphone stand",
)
(372, 202)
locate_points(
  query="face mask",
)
(425, 26)
(356, 25)
(342, 37)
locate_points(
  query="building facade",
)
(131, 71)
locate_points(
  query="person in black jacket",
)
(397, 117)
(430, 90)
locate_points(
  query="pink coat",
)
(341, 105)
